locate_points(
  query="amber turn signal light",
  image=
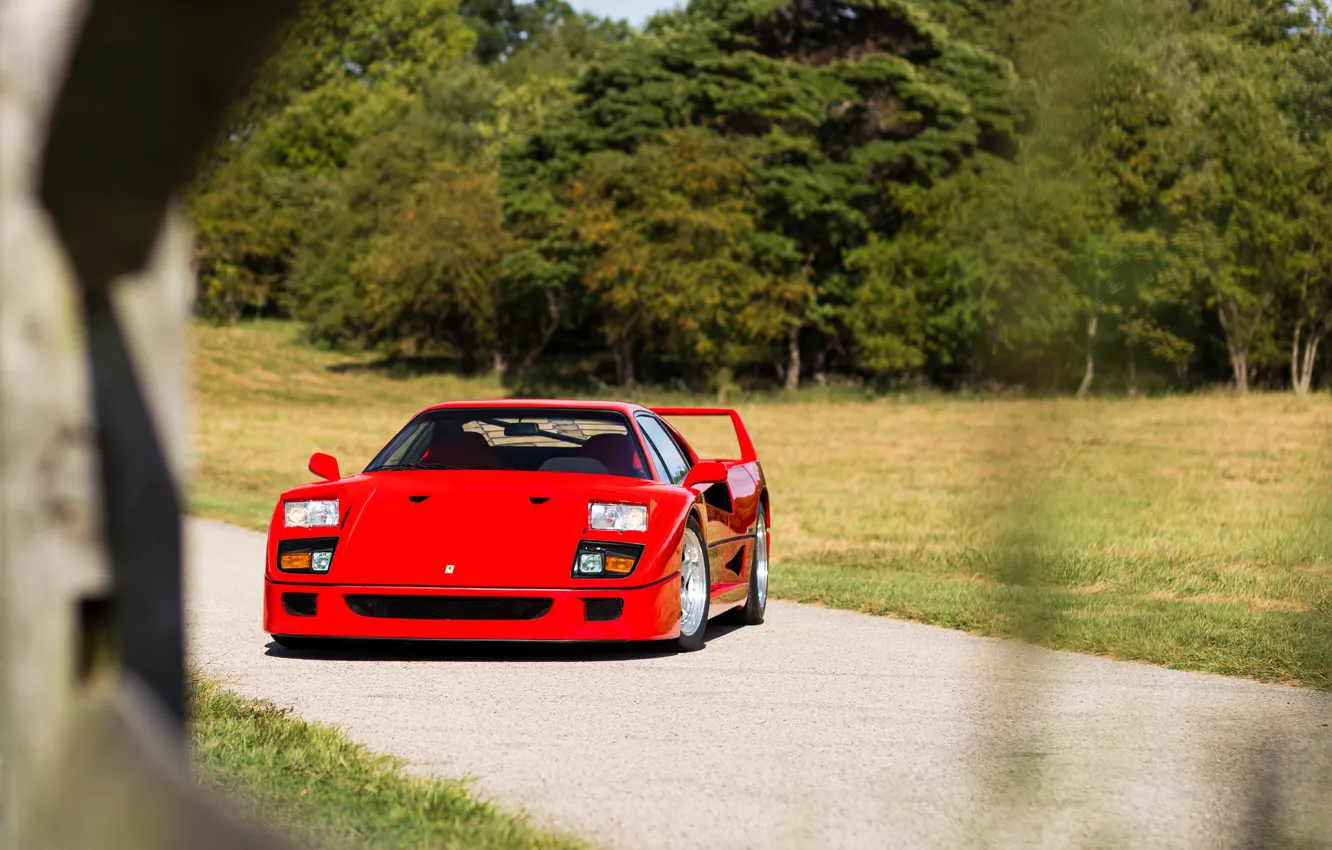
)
(604, 559)
(295, 561)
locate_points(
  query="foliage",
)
(839, 106)
(1048, 193)
(431, 281)
(248, 223)
(672, 258)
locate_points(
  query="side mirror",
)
(706, 472)
(325, 466)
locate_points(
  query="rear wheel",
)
(756, 604)
(695, 590)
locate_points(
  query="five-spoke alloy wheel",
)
(757, 604)
(695, 590)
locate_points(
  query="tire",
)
(756, 604)
(695, 582)
(300, 643)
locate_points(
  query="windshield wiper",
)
(420, 464)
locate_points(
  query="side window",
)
(673, 461)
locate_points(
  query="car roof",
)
(540, 403)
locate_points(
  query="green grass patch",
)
(1229, 638)
(310, 782)
(1191, 531)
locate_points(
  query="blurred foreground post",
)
(49, 559)
(103, 107)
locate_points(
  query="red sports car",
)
(523, 520)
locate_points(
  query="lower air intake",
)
(601, 610)
(449, 607)
(299, 604)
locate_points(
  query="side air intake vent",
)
(719, 496)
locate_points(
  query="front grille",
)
(601, 610)
(299, 604)
(450, 607)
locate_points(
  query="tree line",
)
(1063, 195)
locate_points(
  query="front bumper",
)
(650, 612)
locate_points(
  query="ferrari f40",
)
(515, 520)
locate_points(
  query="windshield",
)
(598, 442)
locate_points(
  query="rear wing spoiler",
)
(747, 453)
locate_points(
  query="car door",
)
(725, 544)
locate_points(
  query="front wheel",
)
(695, 590)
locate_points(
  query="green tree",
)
(841, 102)
(867, 185)
(247, 225)
(363, 200)
(1311, 266)
(429, 283)
(1105, 145)
(671, 262)
(541, 32)
(1307, 99)
(345, 69)
(348, 70)
(1234, 226)
(977, 280)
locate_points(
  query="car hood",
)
(484, 529)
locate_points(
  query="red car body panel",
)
(413, 540)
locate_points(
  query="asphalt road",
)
(817, 729)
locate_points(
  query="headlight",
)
(614, 517)
(602, 559)
(310, 514)
(306, 554)
(590, 563)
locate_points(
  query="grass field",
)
(1189, 532)
(309, 782)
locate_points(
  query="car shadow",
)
(490, 651)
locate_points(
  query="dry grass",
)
(1185, 531)
(265, 402)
